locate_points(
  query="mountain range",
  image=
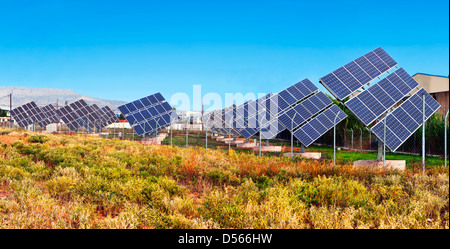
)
(45, 96)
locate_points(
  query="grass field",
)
(77, 181)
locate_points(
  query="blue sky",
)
(125, 50)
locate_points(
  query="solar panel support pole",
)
(229, 135)
(360, 139)
(260, 143)
(187, 132)
(384, 141)
(423, 133)
(334, 138)
(10, 109)
(370, 138)
(352, 137)
(445, 140)
(206, 137)
(292, 135)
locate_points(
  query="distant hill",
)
(45, 96)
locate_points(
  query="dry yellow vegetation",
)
(62, 181)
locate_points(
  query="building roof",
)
(432, 83)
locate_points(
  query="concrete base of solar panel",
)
(267, 149)
(306, 155)
(247, 145)
(392, 164)
(154, 140)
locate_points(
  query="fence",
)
(361, 139)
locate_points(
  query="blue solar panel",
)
(405, 119)
(307, 84)
(350, 82)
(152, 99)
(146, 102)
(385, 57)
(407, 78)
(360, 110)
(378, 98)
(377, 62)
(271, 129)
(368, 67)
(319, 125)
(159, 97)
(357, 72)
(335, 86)
(148, 114)
(347, 79)
(296, 93)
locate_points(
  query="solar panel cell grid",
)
(405, 120)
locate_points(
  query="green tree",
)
(3, 113)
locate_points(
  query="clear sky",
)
(125, 50)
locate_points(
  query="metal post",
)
(229, 135)
(206, 136)
(360, 140)
(170, 134)
(187, 132)
(334, 139)
(157, 126)
(384, 142)
(10, 109)
(445, 141)
(370, 138)
(292, 136)
(352, 137)
(260, 143)
(423, 133)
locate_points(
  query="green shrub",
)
(37, 139)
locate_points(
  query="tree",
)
(121, 117)
(3, 113)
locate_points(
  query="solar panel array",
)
(149, 114)
(371, 104)
(80, 115)
(28, 114)
(405, 119)
(354, 75)
(273, 113)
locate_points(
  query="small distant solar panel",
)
(375, 101)
(405, 119)
(319, 125)
(347, 79)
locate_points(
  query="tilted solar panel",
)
(375, 101)
(405, 119)
(28, 114)
(319, 125)
(347, 79)
(149, 114)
